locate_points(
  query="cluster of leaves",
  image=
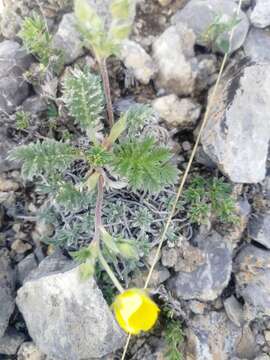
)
(217, 34)
(38, 41)
(139, 162)
(174, 340)
(22, 120)
(206, 198)
(104, 36)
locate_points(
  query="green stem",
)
(109, 271)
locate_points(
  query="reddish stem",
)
(98, 210)
(107, 90)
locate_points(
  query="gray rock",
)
(20, 247)
(13, 63)
(29, 351)
(198, 15)
(197, 307)
(68, 39)
(7, 287)
(259, 229)
(2, 215)
(181, 113)
(204, 159)
(240, 148)
(245, 3)
(11, 341)
(212, 336)
(50, 8)
(25, 266)
(257, 45)
(52, 264)
(207, 71)
(7, 185)
(204, 276)
(34, 105)
(77, 320)
(159, 276)
(10, 23)
(252, 271)
(173, 52)
(266, 187)
(169, 257)
(138, 61)
(247, 347)
(6, 144)
(263, 357)
(234, 310)
(260, 16)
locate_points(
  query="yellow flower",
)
(135, 311)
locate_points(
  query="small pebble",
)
(186, 146)
(20, 247)
(8, 185)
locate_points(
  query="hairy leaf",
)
(36, 38)
(81, 255)
(123, 12)
(45, 157)
(84, 98)
(103, 39)
(145, 165)
(69, 197)
(137, 117)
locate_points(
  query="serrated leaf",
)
(84, 98)
(69, 197)
(144, 164)
(36, 38)
(45, 157)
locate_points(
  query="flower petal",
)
(135, 311)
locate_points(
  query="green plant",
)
(140, 162)
(22, 120)
(38, 41)
(36, 38)
(205, 198)
(174, 339)
(217, 33)
(105, 36)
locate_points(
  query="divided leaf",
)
(83, 96)
(36, 38)
(45, 157)
(137, 117)
(145, 165)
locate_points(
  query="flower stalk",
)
(106, 84)
(97, 235)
